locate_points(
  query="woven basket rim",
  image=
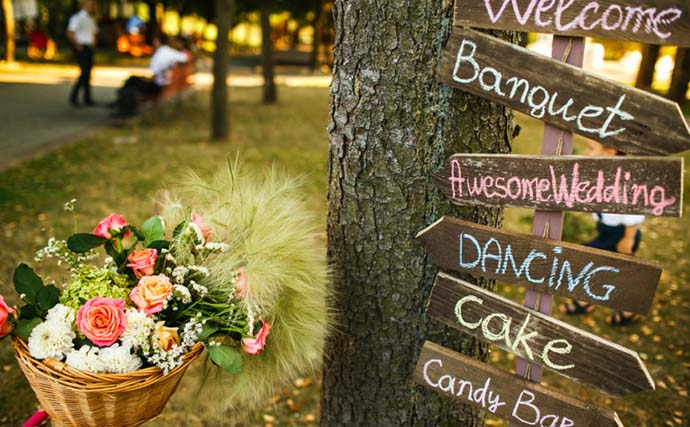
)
(67, 376)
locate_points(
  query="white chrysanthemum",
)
(61, 314)
(86, 359)
(139, 328)
(119, 360)
(50, 339)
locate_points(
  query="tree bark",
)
(8, 13)
(391, 126)
(152, 27)
(645, 77)
(270, 94)
(681, 76)
(315, 44)
(220, 116)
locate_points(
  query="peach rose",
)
(201, 225)
(142, 262)
(151, 293)
(5, 311)
(166, 337)
(113, 222)
(102, 320)
(255, 344)
(241, 283)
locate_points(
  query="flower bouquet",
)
(239, 274)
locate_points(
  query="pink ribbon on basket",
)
(36, 419)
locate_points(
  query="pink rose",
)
(102, 320)
(151, 293)
(241, 283)
(257, 343)
(142, 262)
(201, 225)
(113, 222)
(5, 311)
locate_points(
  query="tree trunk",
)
(220, 116)
(269, 94)
(392, 125)
(645, 77)
(8, 13)
(315, 44)
(152, 27)
(681, 76)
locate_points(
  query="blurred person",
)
(615, 233)
(81, 32)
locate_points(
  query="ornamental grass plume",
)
(272, 236)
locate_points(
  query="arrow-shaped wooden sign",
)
(634, 121)
(554, 267)
(537, 338)
(616, 184)
(647, 21)
(525, 403)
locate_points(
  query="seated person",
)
(162, 62)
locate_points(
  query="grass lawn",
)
(121, 170)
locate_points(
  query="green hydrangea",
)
(90, 281)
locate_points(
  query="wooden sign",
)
(634, 121)
(553, 267)
(647, 21)
(537, 338)
(525, 403)
(615, 184)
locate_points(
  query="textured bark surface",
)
(392, 125)
(220, 116)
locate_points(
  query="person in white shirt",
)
(81, 32)
(615, 233)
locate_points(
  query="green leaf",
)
(24, 327)
(27, 282)
(29, 312)
(159, 244)
(229, 359)
(208, 330)
(47, 297)
(153, 229)
(84, 242)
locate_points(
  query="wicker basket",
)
(78, 398)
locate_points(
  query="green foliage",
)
(226, 357)
(269, 231)
(27, 283)
(25, 326)
(153, 229)
(84, 242)
(90, 281)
